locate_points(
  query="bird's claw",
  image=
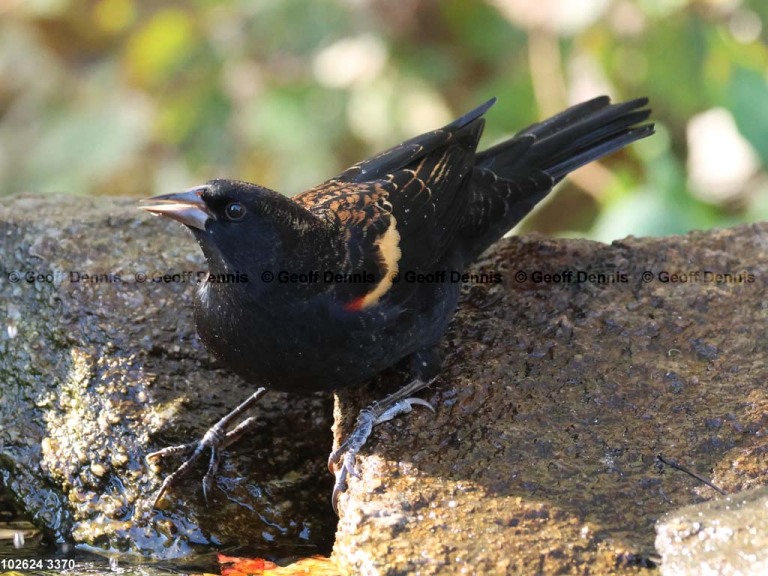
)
(347, 468)
(343, 461)
(215, 439)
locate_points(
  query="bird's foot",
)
(342, 461)
(216, 439)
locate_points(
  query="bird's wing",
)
(405, 153)
(400, 210)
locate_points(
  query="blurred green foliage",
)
(140, 97)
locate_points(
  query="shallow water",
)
(22, 551)
(34, 557)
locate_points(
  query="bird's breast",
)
(313, 344)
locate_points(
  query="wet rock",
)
(727, 536)
(100, 364)
(555, 401)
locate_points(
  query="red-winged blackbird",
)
(317, 291)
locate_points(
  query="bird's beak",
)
(186, 207)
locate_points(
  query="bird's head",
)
(238, 225)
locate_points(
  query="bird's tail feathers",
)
(510, 178)
(569, 140)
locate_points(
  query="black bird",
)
(432, 203)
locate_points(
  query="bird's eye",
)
(234, 211)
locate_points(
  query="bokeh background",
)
(141, 97)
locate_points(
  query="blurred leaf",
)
(87, 143)
(748, 95)
(661, 207)
(675, 79)
(662, 8)
(114, 15)
(280, 123)
(160, 45)
(296, 27)
(312, 566)
(483, 34)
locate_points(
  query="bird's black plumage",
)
(325, 296)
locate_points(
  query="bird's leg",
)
(216, 439)
(341, 462)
